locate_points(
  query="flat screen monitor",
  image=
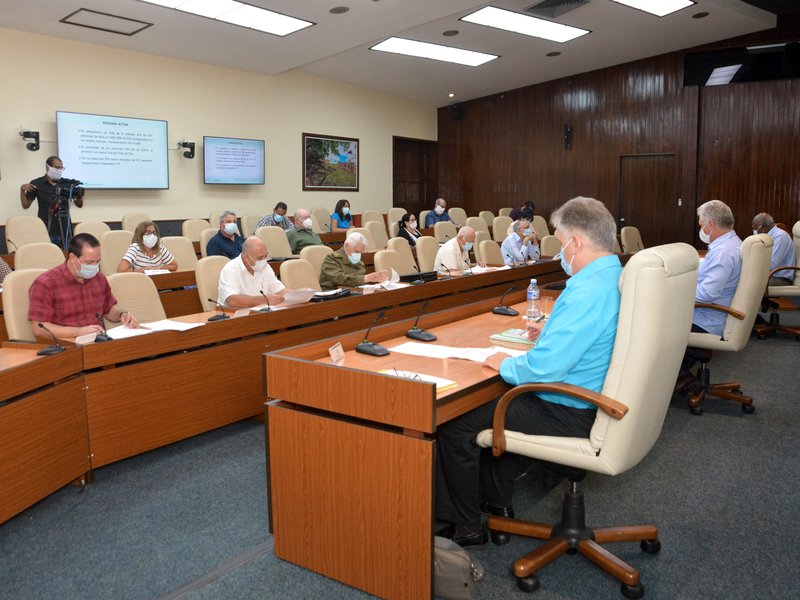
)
(110, 152)
(233, 161)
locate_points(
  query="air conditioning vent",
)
(554, 8)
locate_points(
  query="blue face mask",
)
(467, 246)
(345, 210)
(354, 258)
(567, 266)
(277, 218)
(527, 231)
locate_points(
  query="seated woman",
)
(341, 220)
(146, 251)
(4, 270)
(407, 228)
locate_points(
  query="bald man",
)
(453, 255)
(246, 279)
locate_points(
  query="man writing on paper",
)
(248, 280)
(573, 346)
(67, 298)
(453, 255)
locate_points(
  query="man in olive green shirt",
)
(344, 268)
(302, 234)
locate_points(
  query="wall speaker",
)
(457, 112)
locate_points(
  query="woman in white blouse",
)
(146, 251)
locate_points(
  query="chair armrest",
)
(611, 407)
(771, 273)
(726, 309)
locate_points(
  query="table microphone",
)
(449, 274)
(371, 348)
(269, 306)
(415, 333)
(513, 262)
(50, 350)
(504, 310)
(102, 336)
(221, 317)
(468, 272)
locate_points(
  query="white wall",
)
(41, 75)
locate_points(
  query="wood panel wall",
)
(739, 143)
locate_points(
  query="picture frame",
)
(330, 163)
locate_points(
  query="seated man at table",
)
(302, 235)
(227, 241)
(782, 249)
(344, 267)
(438, 214)
(573, 346)
(248, 280)
(68, 298)
(521, 245)
(453, 255)
(277, 218)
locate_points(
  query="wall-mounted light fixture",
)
(190, 152)
(31, 135)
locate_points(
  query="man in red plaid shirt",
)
(67, 298)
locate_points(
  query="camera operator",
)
(53, 195)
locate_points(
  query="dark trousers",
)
(466, 472)
(688, 360)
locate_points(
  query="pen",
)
(540, 318)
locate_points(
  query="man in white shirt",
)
(782, 249)
(246, 279)
(453, 255)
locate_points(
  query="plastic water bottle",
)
(532, 311)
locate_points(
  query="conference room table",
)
(351, 447)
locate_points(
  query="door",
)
(414, 174)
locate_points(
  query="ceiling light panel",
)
(208, 8)
(499, 18)
(434, 51)
(658, 8)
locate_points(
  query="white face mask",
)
(755, 231)
(439, 210)
(259, 265)
(308, 223)
(705, 237)
(54, 174)
(230, 228)
(88, 271)
(150, 240)
(412, 224)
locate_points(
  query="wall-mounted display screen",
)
(234, 161)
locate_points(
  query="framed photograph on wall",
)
(330, 163)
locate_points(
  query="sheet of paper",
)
(273, 307)
(438, 351)
(300, 296)
(394, 277)
(121, 332)
(328, 293)
(477, 270)
(156, 271)
(170, 325)
(440, 382)
(481, 354)
(85, 339)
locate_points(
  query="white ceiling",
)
(337, 46)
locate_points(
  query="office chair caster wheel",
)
(632, 591)
(696, 410)
(762, 336)
(528, 584)
(748, 408)
(500, 538)
(651, 546)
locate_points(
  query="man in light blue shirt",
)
(521, 245)
(438, 214)
(782, 249)
(573, 346)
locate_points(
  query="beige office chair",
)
(113, 246)
(395, 214)
(504, 212)
(41, 255)
(213, 218)
(427, 247)
(389, 259)
(323, 216)
(658, 288)
(206, 273)
(250, 223)
(782, 291)
(500, 227)
(443, 231)
(95, 228)
(487, 216)
(371, 246)
(136, 293)
(315, 255)
(549, 246)
(478, 224)
(756, 252)
(315, 226)
(421, 218)
(378, 232)
(368, 216)
(480, 236)
(299, 273)
(24, 229)
(539, 226)
(15, 304)
(617, 248)
(458, 214)
(205, 236)
(183, 250)
(403, 249)
(394, 229)
(491, 254)
(276, 241)
(192, 228)
(631, 240)
(132, 220)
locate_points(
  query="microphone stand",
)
(371, 348)
(269, 306)
(221, 317)
(502, 309)
(52, 349)
(102, 336)
(415, 333)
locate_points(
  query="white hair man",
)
(247, 280)
(453, 255)
(521, 245)
(344, 268)
(227, 241)
(782, 249)
(302, 234)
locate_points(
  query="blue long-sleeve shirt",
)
(514, 252)
(432, 218)
(717, 279)
(576, 343)
(782, 252)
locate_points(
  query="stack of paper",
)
(518, 336)
(437, 351)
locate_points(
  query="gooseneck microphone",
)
(53, 349)
(269, 306)
(102, 336)
(371, 348)
(415, 333)
(221, 317)
(513, 262)
(449, 274)
(502, 309)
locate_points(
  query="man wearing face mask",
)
(43, 189)
(227, 241)
(438, 214)
(68, 298)
(453, 255)
(344, 267)
(277, 218)
(302, 235)
(782, 249)
(243, 279)
(573, 346)
(521, 245)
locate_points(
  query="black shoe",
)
(497, 511)
(470, 538)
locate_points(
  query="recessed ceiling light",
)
(524, 24)
(450, 95)
(450, 32)
(339, 10)
(553, 54)
(723, 75)
(459, 56)
(208, 8)
(658, 8)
